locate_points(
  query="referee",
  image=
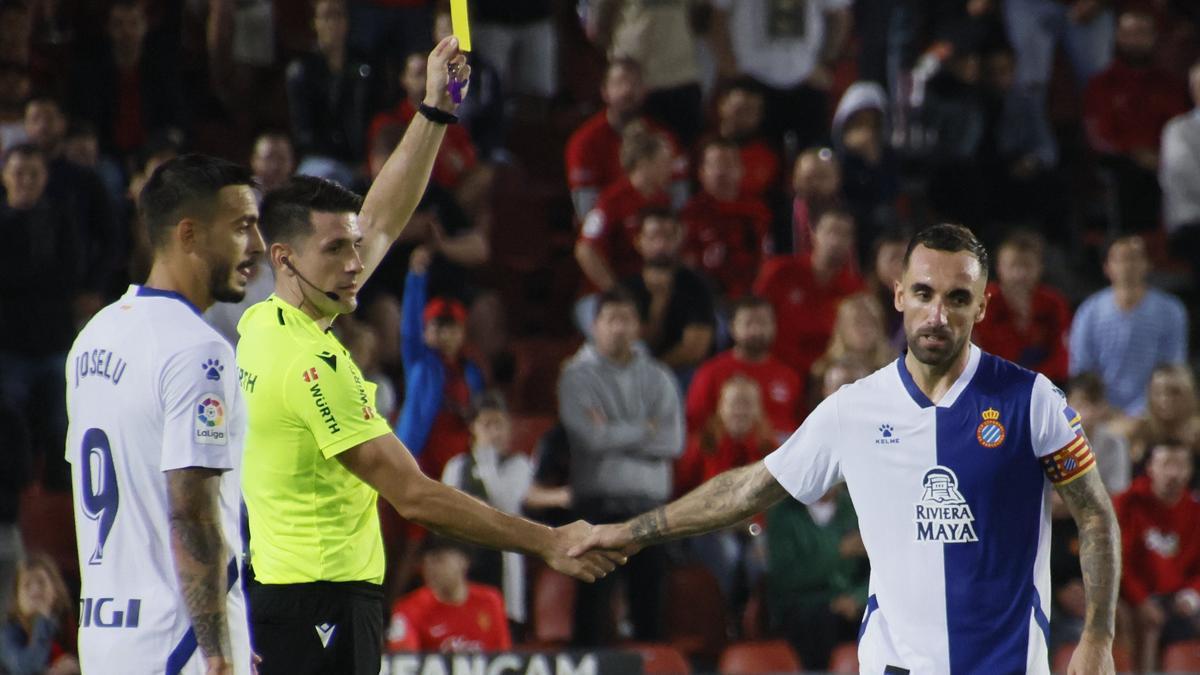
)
(317, 452)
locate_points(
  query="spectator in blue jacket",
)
(439, 382)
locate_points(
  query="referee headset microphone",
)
(329, 294)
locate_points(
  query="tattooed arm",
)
(1100, 557)
(724, 500)
(200, 559)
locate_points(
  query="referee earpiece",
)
(288, 264)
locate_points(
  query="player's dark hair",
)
(952, 239)
(286, 212)
(185, 186)
(617, 295)
(749, 302)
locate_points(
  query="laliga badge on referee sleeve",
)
(990, 432)
(209, 415)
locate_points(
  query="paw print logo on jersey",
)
(212, 369)
(887, 435)
(210, 413)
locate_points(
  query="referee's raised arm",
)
(397, 190)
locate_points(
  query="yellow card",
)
(461, 23)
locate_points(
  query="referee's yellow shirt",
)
(310, 518)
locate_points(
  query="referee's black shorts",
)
(319, 628)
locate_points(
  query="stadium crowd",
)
(660, 235)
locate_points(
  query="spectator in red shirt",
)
(739, 121)
(752, 326)
(737, 434)
(1027, 322)
(806, 289)
(448, 614)
(726, 235)
(456, 159)
(1126, 107)
(593, 155)
(605, 248)
(1160, 537)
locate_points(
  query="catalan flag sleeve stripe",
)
(1073, 419)
(1070, 462)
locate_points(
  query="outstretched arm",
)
(1100, 558)
(725, 499)
(396, 192)
(200, 559)
(386, 465)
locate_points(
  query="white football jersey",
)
(150, 388)
(953, 503)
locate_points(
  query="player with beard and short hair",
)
(949, 455)
(155, 438)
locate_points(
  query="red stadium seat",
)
(752, 658)
(553, 607)
(659, 659)
(844, 658)
(696, 619)
(539, 362)
(527, 430)
(1182, 657)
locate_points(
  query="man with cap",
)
(439, 381)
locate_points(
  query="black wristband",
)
(437, 116)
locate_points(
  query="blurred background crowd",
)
(662, 232)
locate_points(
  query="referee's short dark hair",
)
(952, 239)
(286, 212)
(185, 186)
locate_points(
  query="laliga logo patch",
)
(210, 420)
(990, 432)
